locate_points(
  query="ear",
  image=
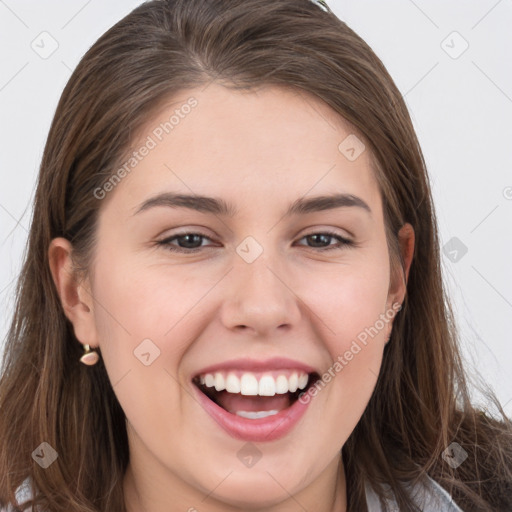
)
(398, 284)
(76, 298)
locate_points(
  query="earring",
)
(90, 357)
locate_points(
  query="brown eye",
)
(322, 241)
(187, 242)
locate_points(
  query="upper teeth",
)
(248, 383)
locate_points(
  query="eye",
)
(192, 242)
(324, 237)
(187, 242)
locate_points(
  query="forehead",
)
(273, 141)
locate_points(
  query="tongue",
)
(234, 402)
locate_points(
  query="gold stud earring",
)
(90, 357)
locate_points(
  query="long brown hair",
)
(421, 401)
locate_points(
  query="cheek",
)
(139, 301)
(145, 321)
(350, 303)
(147, 317)
(348, 299)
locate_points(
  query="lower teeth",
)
(254, 415)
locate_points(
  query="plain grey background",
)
(450, 60)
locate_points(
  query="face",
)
(261, 288)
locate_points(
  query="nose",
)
(259, 298)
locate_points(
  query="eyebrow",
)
(218, 206)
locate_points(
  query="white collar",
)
(428, 495)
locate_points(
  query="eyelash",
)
(343, 242)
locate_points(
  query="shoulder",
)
(428, 495)
(23, 493)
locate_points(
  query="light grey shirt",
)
(428, 495)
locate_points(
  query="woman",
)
(232, 296)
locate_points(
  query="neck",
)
(326, 494)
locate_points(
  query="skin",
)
(259, 150)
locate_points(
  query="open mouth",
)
(255, 395)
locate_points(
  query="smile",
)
(255, 401)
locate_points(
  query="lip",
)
(252, 365)
(266, 429)
(270, 428)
